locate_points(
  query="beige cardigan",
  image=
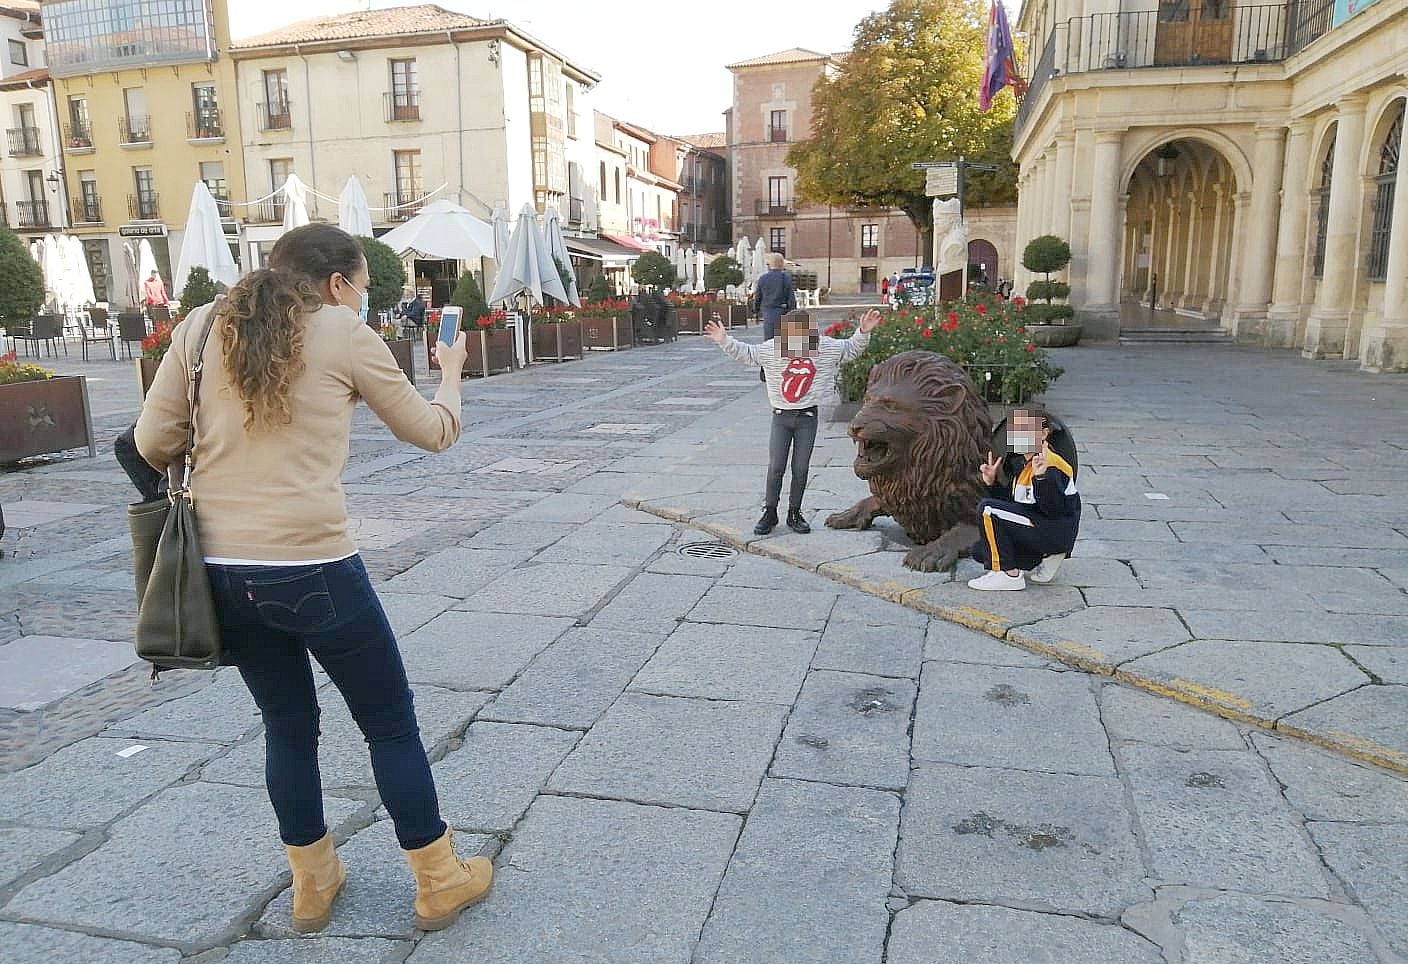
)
(275, 494)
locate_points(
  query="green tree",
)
(654, 269)
(1046, 254)
(907, 92)
(387, 272)
(722, 272)
(598, 290)
(21, 281)
(200, 290)
(469, 297)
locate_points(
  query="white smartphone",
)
(450, 323)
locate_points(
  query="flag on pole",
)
(999, 67)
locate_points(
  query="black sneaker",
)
(766, 523)
(796, 523)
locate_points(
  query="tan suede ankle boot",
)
(446, 885)
(318, 876)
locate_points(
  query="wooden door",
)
(1193, 32)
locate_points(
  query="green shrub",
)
(1049, 314)
(199, 290)
(469, 297)
(599, 290)
(1046, 254)
(722, 272)
(1047, 290)
(654, 270)
(387, 272)
(21, 281)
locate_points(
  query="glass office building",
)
(90, 36)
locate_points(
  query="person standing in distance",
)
(775, 295)
(288, 358)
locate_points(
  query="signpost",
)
(947, 179)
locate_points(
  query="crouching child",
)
(1029, 524)
(799, 366)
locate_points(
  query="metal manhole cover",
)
(708, 550)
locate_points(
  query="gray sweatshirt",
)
(795, 383)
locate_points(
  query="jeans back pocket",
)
(293, 602)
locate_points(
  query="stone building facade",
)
(1228, 161)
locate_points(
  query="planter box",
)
(1054, 336)
(403, 350)
(490, 352)
(737, 316)
(691, 320)
(45, 416)
(607, 334)
(146, 374)
(557, 342)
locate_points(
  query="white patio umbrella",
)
(688, 273)
(701, 261)
(204, 245)
(760, 263)
(557, 247)
(146, 262)
(445, 230)
(527, 269)
(498, 220)
(677, 259)
(82, 278)
(51, 263)
(295, 203)
(131, 261)
(354, 215)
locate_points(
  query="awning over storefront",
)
(609, 252)
(628, 242)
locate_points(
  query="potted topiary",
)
(402, 349)
(1049, 323)
(654, 270)
(599, 290)
(469, 298)
(200, 289)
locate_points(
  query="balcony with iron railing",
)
(766, 208)
(78, 136)
(404, 205)
(25, 142)
(205, 125)
(402, 105)
(144, 206)
(88, 209)
(221, 194)
(275, 115)
(135, 130)
(266, 212)
(870, 250)
(778, 135)
(1200, 34)
(32, 214)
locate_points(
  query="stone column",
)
(1166, 265)
(1237, 240)
(1259, 242)
(1386, 347)
(1064, 173)
(1024, 201)
(1283, 317)
(1100, 313)
(1328, 324)
(1216, 253)
(1191, 297)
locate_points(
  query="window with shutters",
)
(1322, 212)
(1384, 189)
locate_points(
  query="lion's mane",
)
(936, 486)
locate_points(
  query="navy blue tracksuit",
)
(1030, 518)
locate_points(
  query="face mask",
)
(365, 311)
(1022, 441)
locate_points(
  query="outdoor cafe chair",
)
(160, 314)
(131, 327)
(45, 330)
(98, 332)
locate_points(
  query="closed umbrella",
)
(131, 261)
(146, 262)
(689, 270)
(677, 259)
(51, 262)
(557, 247)
(701, 261)
(498, 221)
(445, 230)
(760, 263)
(527, 269)
(295, 203)
(83, 293)
(204, 245)
(353, 213)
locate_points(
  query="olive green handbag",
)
(177, 627)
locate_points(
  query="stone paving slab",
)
(32, 944)
(1226, 927)
(1323, 786)
(1368, 721)
(809, 880)
(221, 712)
(1026, 719)
(1053, 842)
(547, 590)
(487, 783)
(1132, 714)
(624, 883)
(24, 848)
(1373, 864)
(718, 661)
(849, 729)
(774, 608)
(877, 650)
(652, 602)
(477, 650)
(706, 754)
(319, 950)
(1000, 935)
(35, 670)
(208, 878)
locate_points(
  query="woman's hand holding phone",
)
(451, 357)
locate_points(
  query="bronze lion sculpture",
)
(921, 434)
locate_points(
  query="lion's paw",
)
(931, 558)
(850, 519)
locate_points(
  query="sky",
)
(662, 65)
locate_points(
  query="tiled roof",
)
(22, 79)
(794, 56)
(707, 142)
(392, 22)
(19, 6)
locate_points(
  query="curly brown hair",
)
(262, 318)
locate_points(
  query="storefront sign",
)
(1344, 9)
(142, 231)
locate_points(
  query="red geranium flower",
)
(1018, 300)
(928, 333)
(485, 322)
(982, 309)
(949, 325)
(1031, 347)
(953, 317)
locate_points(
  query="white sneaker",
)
(997, 581)
(1046, 569)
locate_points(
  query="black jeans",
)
(271, 618)
(794, 429)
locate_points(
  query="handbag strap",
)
(194, 368)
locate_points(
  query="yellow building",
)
(1224, 164)
(147, 106)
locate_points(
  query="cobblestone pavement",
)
(681, 759)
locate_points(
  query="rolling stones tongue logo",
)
(797, 379)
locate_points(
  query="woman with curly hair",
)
(286, 361)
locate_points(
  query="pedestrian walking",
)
(775, 295)
(1029, 524)
(885, 290)
(287, 360)
(154, 291)
(800, 367)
